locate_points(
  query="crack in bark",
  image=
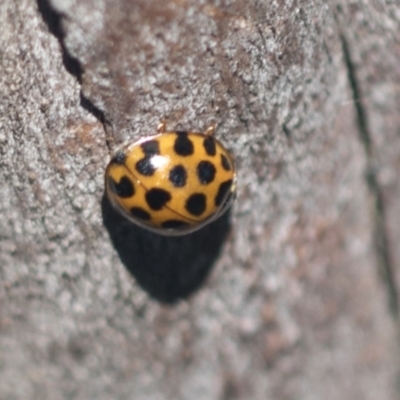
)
(53, 20)
(380, 236)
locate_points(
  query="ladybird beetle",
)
(172, 183)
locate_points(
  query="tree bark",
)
(293, 294)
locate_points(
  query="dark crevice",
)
(380, 237)
(53, 21)
(90, 107)
(54, 24)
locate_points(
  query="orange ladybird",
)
(172, 183)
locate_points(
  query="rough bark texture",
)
(291, 296)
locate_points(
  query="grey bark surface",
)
(293, 297)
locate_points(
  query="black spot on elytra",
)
(206, 172)
(183, 146)
(196, 204)
(151, 147)
(119, 158)
(174, 224)
(224, 187)
(140, 213)
(145, 167)
(178, 176)
(226, 165)
(124, 188)
(209, 146)
(157, 198)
